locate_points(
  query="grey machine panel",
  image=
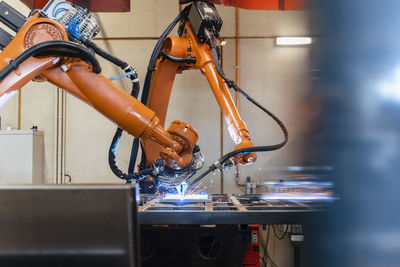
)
(68, 226)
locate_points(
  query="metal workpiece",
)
(226, 209)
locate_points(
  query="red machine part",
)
(124, 5)
(260, 4)
(253, 254)
(92, 5)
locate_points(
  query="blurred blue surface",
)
(359, 133)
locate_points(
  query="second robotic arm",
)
(76, 77)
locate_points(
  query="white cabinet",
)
(21, 157)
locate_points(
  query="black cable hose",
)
(284, 233)
(111, 160)
(157, 49)
(188, 60)
(232, 84)
(156, 54)
(150, 68)
(131, 175)
(266, 255)
(106, 55)
(53, 48)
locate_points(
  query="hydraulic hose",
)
(53, 48)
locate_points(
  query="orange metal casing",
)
(30, 68)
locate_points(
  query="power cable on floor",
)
(284, 232)
(266, 256)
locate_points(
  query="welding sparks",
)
(197, 188)
(182, 188)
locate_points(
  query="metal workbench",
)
(227, 209)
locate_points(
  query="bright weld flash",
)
(183, 197)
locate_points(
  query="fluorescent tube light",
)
(293, 40)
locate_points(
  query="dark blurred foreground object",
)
(80, 226)
(194, 246)
(259, 4)
(359, 133)
(91, 5)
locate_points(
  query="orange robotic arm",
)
(75, 69)
(76, 77)
(188, 46)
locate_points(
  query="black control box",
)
(11, 17)
(5, 38)
(203, 15)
